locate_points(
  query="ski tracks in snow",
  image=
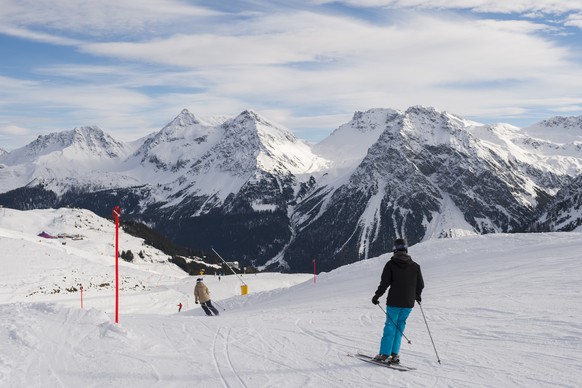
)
(278, 351)
(222, 359)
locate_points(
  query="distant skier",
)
(179, 306)
(404, 278)
(202, 295)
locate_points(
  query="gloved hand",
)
(196, 302)
(375, 299)
(418, 299)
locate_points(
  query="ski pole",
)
(396, 326)
(430, 335)
(219, 305)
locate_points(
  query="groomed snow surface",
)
(504, 311)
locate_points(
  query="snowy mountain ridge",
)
(77, 144)
(420, 173)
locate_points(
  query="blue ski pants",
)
(392, 337)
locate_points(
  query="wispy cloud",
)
(484, 6)
(101, 18)
(28, 34)
(12, 130)
(574, 20)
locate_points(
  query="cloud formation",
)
(131, 66)
(484, 6)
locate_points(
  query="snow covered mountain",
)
(200, 163)
(266, 198)
(564, 211)
(429, 174)
(83, 157)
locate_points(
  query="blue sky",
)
(131, 66)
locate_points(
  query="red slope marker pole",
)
(314, 273)
(116, 214)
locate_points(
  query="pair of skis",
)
(370, 359)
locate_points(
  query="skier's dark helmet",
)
(400, 245)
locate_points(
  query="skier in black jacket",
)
(404, 278)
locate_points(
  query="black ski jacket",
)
(404, 278)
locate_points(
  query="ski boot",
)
(381, 358)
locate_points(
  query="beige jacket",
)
(201, 293)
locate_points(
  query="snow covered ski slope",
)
(504, 311)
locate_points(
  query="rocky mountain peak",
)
(250, 114)
(90, 140)
(560, 130)
(97, 141)
(372, 119)
(177, 143)
(574, 122)
(184, 119)
(263, 132)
